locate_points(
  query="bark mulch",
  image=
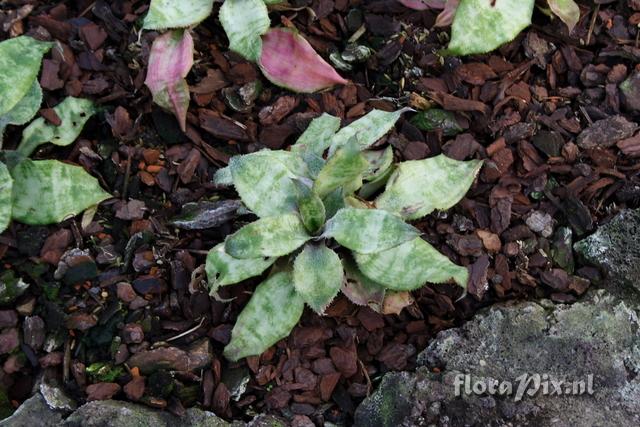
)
(546, 112)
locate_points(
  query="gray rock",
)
(615, 248)
(597, 337)
(606, 132)
(33, 412)
(108, 413)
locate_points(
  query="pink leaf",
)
(288, 60)
(170, 60)
(445, 18)
(423, 4)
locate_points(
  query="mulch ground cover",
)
(545, 112)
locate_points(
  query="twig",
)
(592, 24)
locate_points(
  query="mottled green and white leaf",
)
(25, 109)
(49, 191)
(310, 207)
(223, 269)
(73, 113)
(411, 265)
(345, 166)
(270, 315)
(567, 10)
(6, 184)
(317, 276)
(264, 180)
(480, 26)
(366, 130)
(268, 237)
(164, 14)
(419, 187)
(317, 137)
(368, 189)
(379, 161)
(223, 177)
(244, 21)
(360, 289)
(368, 230)
(20, 59)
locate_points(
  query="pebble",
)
(134, 389)
(541, 223)
(102, 391)
(81, 321)
(125, 292)
(132, 333)
(33, 331)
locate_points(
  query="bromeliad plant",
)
(319, 232)
(284, 56)
(39, 192)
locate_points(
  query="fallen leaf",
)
(170, 60)
(394, 302)
(288, 60)
(567, 10)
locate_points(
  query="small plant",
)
(39, 191)
(319, 232)
(283, 55)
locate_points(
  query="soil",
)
(546, 112)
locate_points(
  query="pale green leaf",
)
(481, 26)
(379, 163)
(368, 230)
(49, 191)
(567, 10)
(244, 21)
(317, 137)
(268, 237)
(366, 130)
(164, 14)
(368, 189)
(223, 177)
(25, 109)
(419, 187)
(360, 289)
(411, 265)
(73, 113)
(223, 269)
(317, 276)
(345, 166)
(273, 311)
(333, 203)
(20, 60)
(310, 207)
(264, 180)
(6, 184)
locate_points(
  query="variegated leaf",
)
(480, 26)
(346, 165)
(410, 265)
(25, 109)
(223, 177)
(73, 113)
(317, 137)
(223, 269)
(170, 60)
(418, 187)
(366, 130)
(368, 189)
(310, 207)
(244, 21)
(360, 289)
(368, 230)
(289, 61)
(264, 180)
(164, 14)
(317, 276)
(273, 311)
(268, 237)
(333, 203)
(49, 191)
(379, 162)
(20, 59)
(6, 184)
(567, 10)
